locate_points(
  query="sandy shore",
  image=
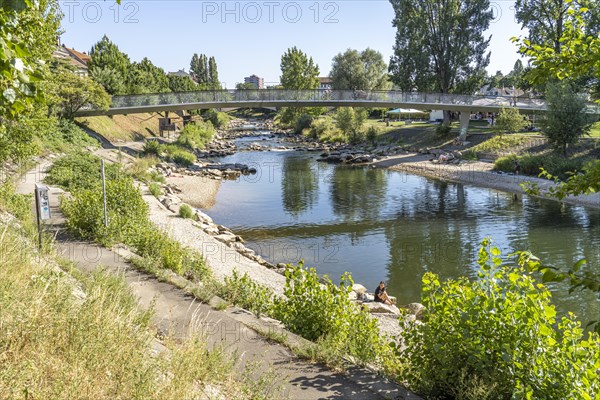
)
(475, 173)
(197, 191)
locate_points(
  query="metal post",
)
(39, 217)
(104, 194)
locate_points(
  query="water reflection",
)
(380, 224)
(299, 184)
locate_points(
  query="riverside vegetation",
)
(501, 328)
(87, 334)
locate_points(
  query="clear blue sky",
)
(248, 37)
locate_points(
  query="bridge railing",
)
(323, 96)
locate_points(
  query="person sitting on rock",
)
(380, 294)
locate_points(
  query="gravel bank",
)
(222, 259)
(476, 174)
(197, 191)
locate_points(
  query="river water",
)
(388, 225)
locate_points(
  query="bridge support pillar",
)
(465, 116)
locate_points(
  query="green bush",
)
(498, 338)
(80, 170)
(127, 210)
(151, 148)
(321, 129)
(372, 134)
(531, 164)
(217, 118)
(321, 310)
(247, 294)
(500, 143)
(443, 130)
(179, 155)
(304, 121)
(17, 204)
(155, 189)
(186, 211)
(196, 135)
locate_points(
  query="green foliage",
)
(566, 119)
(365, 70)
(185, 211)
(298, 71)
(145, 77)
(350, 121)
(79, 170)
(586, 182)
(17, 204)
(443, 130)
(68, 92)
(27, 39)
(420, 62)
(151, 148)
(498, 144)
(155, 189)
(532, 164)
(247, 294)
(108, 66)
(196, 135)
(509, 120)
(178, 155)
(320, 310)
(303, 122)
(217, 118)
(572, 51)
(372, 134)
(182, 84)
(498, 337)
(127, 211)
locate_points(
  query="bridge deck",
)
(144, 103)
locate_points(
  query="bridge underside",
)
(150, 108)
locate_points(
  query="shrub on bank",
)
(498, 338)
(178, 155)
(79, 170)
(196, 135)
(531, 164)
(185, 211)
(247, 294)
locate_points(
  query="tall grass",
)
(97, 344)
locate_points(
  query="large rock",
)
(381, 308)
(359, 289)
(416, 309)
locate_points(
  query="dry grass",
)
(123, 127)
(57, 345)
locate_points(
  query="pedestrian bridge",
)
(144, 103)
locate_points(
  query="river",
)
(388, 225)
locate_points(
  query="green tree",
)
(440, 46)
(145, 77)
(245, 86)
(509, 120)
(181, 84)
(70, 92)
(28, 32)
(366, 70)
(578, 57)
(298, 71)
(108, 66)
(199, 70)
(213, 75)
(350, 121)
(566, 118)
(544, 19)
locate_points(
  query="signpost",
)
(42, 208)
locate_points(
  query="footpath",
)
(177, 313)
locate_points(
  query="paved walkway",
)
(177, 313)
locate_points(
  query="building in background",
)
(76, 59)
(325, 83)
(257, 81)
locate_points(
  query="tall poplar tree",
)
(213, 74)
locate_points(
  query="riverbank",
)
(476, 173)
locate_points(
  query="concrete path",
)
(177, 313)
